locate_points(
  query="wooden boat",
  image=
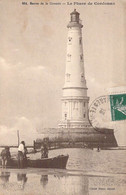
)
(58, 162)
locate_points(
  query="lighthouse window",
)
(65, 116)
(69, 40)
(81, 57)
(68, 77)
(84, 104)
(82, 78)
(75, 105)
(68, 57)
(84, 115)
(65, 103)
(80, 41)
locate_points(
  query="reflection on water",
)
(4, 177)
(22, 179)
(60, 183)
(56, 183)
(44, 180)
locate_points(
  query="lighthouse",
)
(75, 129)
(74, 100)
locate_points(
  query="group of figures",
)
(22, 154)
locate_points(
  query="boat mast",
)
(18, 137)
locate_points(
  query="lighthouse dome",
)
(75, 16)
(75, 21)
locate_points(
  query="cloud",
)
(27, 132)
(4, 64)
(7, 135)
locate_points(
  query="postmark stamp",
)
(118, 107)
(99, 112)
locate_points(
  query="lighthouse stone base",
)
(79, 137)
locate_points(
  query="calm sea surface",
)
(88, 172)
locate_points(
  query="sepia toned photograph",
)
(62, 97)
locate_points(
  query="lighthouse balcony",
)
(74, 24)
(74, 124)
(75, 98)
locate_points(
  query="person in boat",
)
(44, 150)
(5, 155)
(21, 154)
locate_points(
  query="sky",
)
(33, 54)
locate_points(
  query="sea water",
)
(88, 172)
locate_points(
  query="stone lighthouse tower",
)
(74, 100)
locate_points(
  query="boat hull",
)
(58, 162)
